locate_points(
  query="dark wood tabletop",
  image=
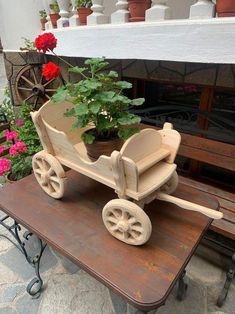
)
(144, 275)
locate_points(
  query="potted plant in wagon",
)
(54, 15)
(84, 9)
(43, 19)
(98, 99)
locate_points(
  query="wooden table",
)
(144, 275)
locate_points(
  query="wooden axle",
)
(189, 206)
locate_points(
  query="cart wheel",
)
(171, 185)
(127, 222)
(49, 174)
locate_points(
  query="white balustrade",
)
(97, 17)
(74, 19)
(202, 9)
(46, 5)
(158, 11)
(122, 13)
(64, 13)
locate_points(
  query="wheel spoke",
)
(47, 83)
(112, 219)
(51, 172)
(38, 171)
(48, 97)
(54, 185)
(26, 99)
(125, 215)
(137, 228)
(125, 235)
(34, 75)
(27, 80)
(114, 228)
(25, 88)
(50, 90)
(133, 234)
(132, 220)
(55, 179)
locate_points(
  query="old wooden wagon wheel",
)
(171, 185)
(32, 88)
(127, 222)
(49, 174)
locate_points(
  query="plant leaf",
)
(124, 85)
(95, 107)
(125, 133)
(113, 74)
(60, 95)
(81, 109)
(88, 138)
(129, 119)
(137, 102)
(77, 70)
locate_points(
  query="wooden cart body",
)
(141, 171)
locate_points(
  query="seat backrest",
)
(141, 145)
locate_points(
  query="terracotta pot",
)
(54, 18)
(98, 148)
(43, 22)
(83, 14)
(137, 9)
(9, 178)
(225, 8)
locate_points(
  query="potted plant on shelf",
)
(43, 19)
(137, 9)
(54, 15)
(225, 8)
(84, 9)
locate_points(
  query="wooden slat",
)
(4, 126)
(224, 227)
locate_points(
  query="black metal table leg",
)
(182, 287)
(35, 286)
(229, 279)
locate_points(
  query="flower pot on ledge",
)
(137, 9)
(225, 8)
(83, 13)
(54, 18)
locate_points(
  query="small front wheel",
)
(49, 174)
(127, 222)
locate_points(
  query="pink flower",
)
(10, 135)
(20, 123)
(18, 147)
(5, 165)
(2, 148)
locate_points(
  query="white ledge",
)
(206, 41)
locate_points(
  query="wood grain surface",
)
(144, 275)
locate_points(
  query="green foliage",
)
(28, 44)
(43, 14)
(21, 166)
(98, 98)
(54, 6)
(6, 106)
(83, 3)
(27, 132)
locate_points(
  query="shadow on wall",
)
(1, 46)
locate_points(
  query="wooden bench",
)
(201, 150)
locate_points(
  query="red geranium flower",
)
(50, 71)
(45, 42)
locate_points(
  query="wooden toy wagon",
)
(143, 170)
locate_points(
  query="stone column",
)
(46, 4)
(74, 19)
(203, 9)
(122, 13)
(159, 11)
(97, 17)
(64, 13)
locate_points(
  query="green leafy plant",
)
(28, 44)
(54, 6)
(99, 100)
(43, 14)
(83, 3)
(21, 166)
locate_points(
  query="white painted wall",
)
(19, 18)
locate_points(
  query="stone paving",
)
(69, 290)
